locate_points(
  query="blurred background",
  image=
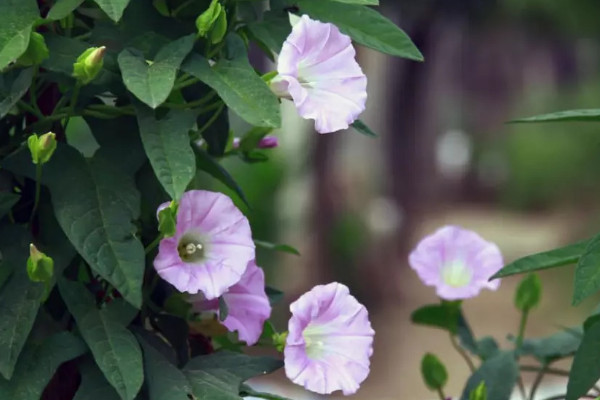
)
(354, 206)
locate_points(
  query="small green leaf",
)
(223, 309)
(13, 90)
(545, 260)
(219, 29)
(361, 127)
(36, 51)
(587, 272)
(363, 2)
(585, 370)
(207, 19)
(444, 316)
(62, 8)
(236, 82)
(274, 295)
(115, 349)
(528, 293)
(590, 115)
(284, 248)
(499, 374)
(433, 372)
(113, 8)
(554, 347)
(167, 145)
(16, 20)
(364, 25)
(153, 83)
(479, 393)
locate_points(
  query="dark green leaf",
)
(62, 8)
(363, 2)
(223, 309)
(113, 8)
(16, 19)
(585, 370)
(167, 144)
(94, 385)
(591, 115)
(487, 347)
(240, 87)
(361, 127)
(433, 372)
(120, 311)
(209, 165)
(153, 83)
(7, 201)
(115, 349)
(14, 249)
(499, 374)
(63, 53)
(272, 30)
(529, 292)
(465, 335)
(17, 89)
(284, 248)
(587, 272)
(364, 25)
(551, 348)
(165, 381)
(38, 364)
(548, 259)
(443, 316)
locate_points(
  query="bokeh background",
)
(354, 206)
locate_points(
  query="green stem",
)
(522, 388)
(185, 83)
(38, 189)
(29, 108)
(537, 382)
(128, 110)
(154, 243)
(550, 371)
(195, 103)
(440, 393)
(462, 353)
(522, 326)
(33, 92)
(74, 98)
(247, 392)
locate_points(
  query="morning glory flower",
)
(317, 69)
(211, 248)
(267, 142)
(330, 341)
(458, 262)
(247, 303)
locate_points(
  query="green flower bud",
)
(40, 267)
(279, 340)
(167, 220)
(89, 64)
(528, 293)
(206, 20)
(479, 393)
(36, 52)
(434, 372)
(41, 147)
(220, 28)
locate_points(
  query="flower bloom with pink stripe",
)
(457, 262)
(211, 248)
(330, 341)
(318, 71)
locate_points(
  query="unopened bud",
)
(279, 340)
(89, 64)
(42, 147)
(479, 393)
(219, 29)
(167, 219)
(36, 52)
(40, 267)
(207, 19)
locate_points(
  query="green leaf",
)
(16, 20)
(587, 272)
(223, 309)
(272, 30)
(218, 376)
(529, 292)
(153, 83)
(236, 82)
(165, 381)
(209, 165)
(38, 364)
(120, 311)
(18, 87)
(365, 25)
(554, 347)
(585, 370)
(94, 385)
(167, 145)
(113, 8)
(7, 201)
(361, 127)
(63, 53)
(433, 372)
(590, 115)
(545, 260)
(444, 316)
(115, 349)
(499, 374)
(284, 248)
(274, 295)
(63, 8)
(363, 2)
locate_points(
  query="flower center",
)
(314, 339)
(191, 249)
(456, 274)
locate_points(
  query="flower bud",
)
(220, 28)
(267, 142)
(36, 52)
(41, 147)
(167, 219)
(279, 340)
(40, 267)
(528, 293)
(89, 64)
(207, 19)
(479, 393)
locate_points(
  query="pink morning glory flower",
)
(317, 69)
(267, 142)
(330, 341)
(247, 303)
(458, 262)
(211, 248)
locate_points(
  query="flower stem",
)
(522, 326)
(209, 122)
(154, 243)
(462, 353)
(441, 394)
(537, 382)
(38, 189)
(247, 392)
